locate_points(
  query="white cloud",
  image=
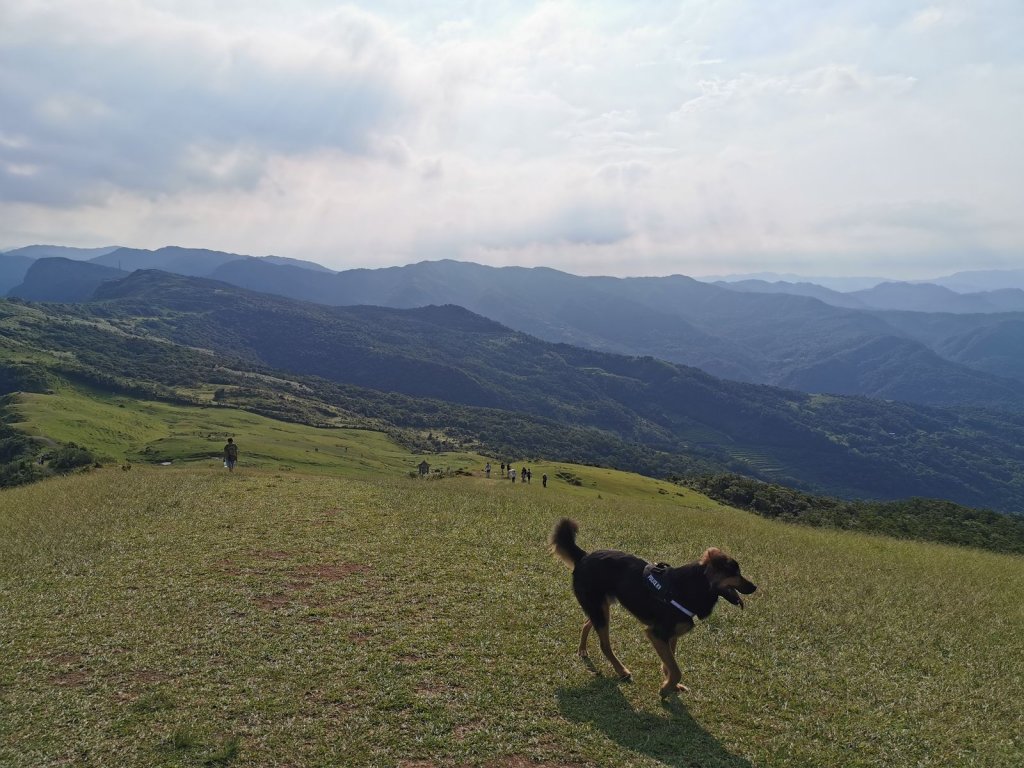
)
(602, 136)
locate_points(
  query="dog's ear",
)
(709, 554)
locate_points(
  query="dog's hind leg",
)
(664, 649)
(583, 638)
(606, 645)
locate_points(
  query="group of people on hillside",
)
(508, 471)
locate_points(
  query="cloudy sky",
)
(625, 138)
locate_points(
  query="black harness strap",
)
(654, 578)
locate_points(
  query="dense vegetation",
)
(42, 345)
(916, 518)
(793, 341)
(850, 447)
(156, 335)
(23, 460)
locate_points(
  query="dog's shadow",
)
(674, 738)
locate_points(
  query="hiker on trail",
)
(529, 475)
(512, 474)
(503, 469)
(487, 470)
(230, 454)
(544, 480)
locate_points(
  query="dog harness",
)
(654, 573)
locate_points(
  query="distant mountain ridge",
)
(849, 446)
(63, 280)
(768, 338)
(927, 297)
(970, 281)
(910, 297)
(62, 251)
(771, 338)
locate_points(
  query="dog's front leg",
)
(664, 649)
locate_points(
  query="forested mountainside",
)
(848, 446)
(794, 341)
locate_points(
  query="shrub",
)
(70, 457)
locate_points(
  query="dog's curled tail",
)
(563, 542)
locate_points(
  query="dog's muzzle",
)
(732, 593)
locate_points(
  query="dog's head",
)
(724, 575)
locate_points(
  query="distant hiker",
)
(230, 454)
(512, 474)
(529, 475)
(523, 475)
(544, 480)
(503, 469)
(487, 470)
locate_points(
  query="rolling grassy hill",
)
(844, 446)
(195, 618)
(161, 336)
(118, 428)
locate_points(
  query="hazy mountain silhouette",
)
(61, 251)
(59, 279)
(926, 297)
(13, 269)
(761, 337)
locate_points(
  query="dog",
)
(664, 599)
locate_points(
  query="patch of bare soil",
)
(515, 761)
(272, 602)
(150, 676)
(71, 679)
(330, 572)
(463, 730)
(274, 554)
(65, 658)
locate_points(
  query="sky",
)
(618, 138)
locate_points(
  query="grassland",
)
(187, 617)
(118, 428)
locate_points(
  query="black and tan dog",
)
(664, 599)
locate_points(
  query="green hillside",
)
(118, 428)
(852, 447)
(443, 369)
(265, 618)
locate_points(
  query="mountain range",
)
(744, 333)
(172, 336)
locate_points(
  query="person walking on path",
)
(230, 454)
(512, 474)
(544, 480)
(487, 470)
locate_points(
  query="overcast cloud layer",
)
(600, 138)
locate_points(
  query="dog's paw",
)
(626, 676)
(667, 690)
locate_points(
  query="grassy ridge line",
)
(119, 428)
(171, 618)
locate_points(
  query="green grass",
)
(195, 618)
(118, 428)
